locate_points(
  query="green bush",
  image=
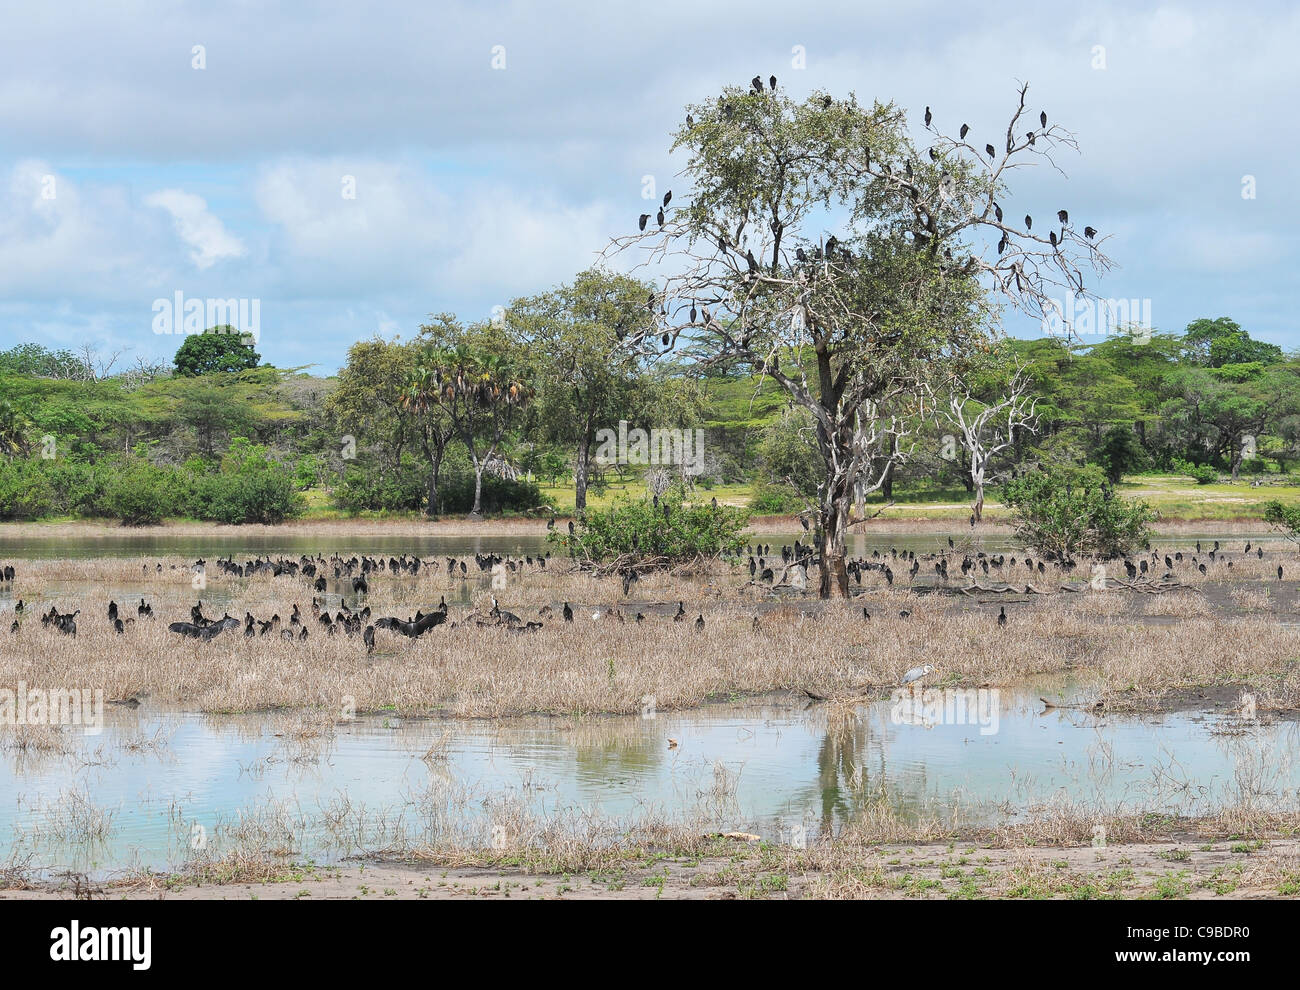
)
(774, 500)
(140, 494)
(1202, 474)
(1285, 518)
(500, 495)
(251, 487)
(26, 491)
(670, 533)
(1062, 515)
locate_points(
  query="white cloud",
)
(203, 232)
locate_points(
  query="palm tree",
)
(14, 426)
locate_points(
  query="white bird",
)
(916, 673)
(595, 616)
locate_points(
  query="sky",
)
(494, 149)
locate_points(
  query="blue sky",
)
(475, 185)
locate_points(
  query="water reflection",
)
(762, 767)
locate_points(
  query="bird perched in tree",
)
(1042, 118)
(927, 117)
(1089, 232)
(964, 129)
(771, 82)
(990, 151)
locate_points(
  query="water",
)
(773, 766)
(244, 543)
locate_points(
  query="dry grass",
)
(605, 665)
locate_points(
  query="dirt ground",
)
(1192, 869)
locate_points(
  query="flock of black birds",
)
(761, 564)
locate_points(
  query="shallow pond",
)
(151, 785)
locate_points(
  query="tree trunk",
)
(580, 473)
(833, 568)
(431, 509)
(1236, 460)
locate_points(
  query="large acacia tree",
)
(826, 247)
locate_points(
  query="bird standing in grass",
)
(568, 613)
(699, 623)
(916, 673)
(1002, 616)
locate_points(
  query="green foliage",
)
(1285, 518)
(26, 491)
(140, 494)
(1202, 474)
(1067, 514)
(670, 533)
(775, 500)
(1121, 453)
(251, 487)
(215, 350)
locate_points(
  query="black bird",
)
(1279, 572)
(659, 217)
(757, 83)
(964, 129)
(1089, 232)
(904, 614)
(799, 253)
(927, 117)
(1042, 118)
(1002, 616)
(681, 612)
(568, 613)
(699, 623)
(771, 82)
(865, 614)
(668, 197)
(368, 637)
(640, 617)
(1029, 222)
(112, 611)
(1063, 216)
(750, 260)
(950, 542)
(642, 221)
(570, 527)
(990, 151)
